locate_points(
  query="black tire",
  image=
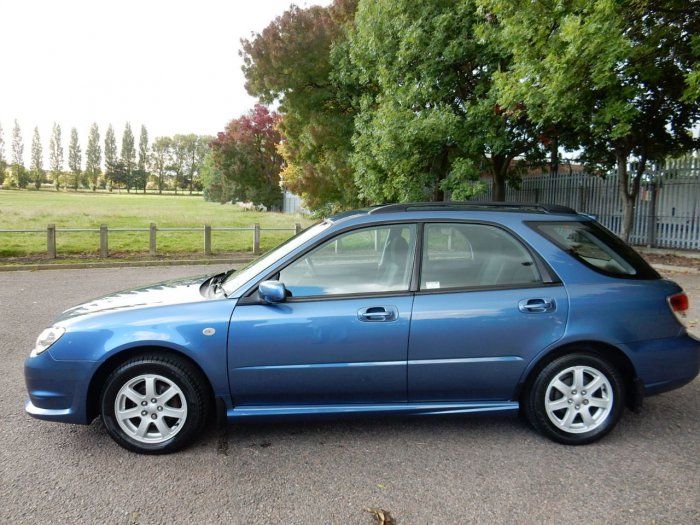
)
(534, 398)
(178, 371)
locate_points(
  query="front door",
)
(342, 335)
(481, 314)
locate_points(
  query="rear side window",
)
(597, 248)
(462, 255)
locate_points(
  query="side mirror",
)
(272, 292)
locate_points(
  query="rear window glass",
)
(597, 248)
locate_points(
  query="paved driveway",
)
(451, 470)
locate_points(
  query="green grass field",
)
(36, 209)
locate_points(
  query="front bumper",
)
(57, 389)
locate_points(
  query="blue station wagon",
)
(413, 309)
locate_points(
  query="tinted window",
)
(369, 260)
(474, 255)
(597, 248)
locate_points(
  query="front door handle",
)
(538, 305)
(378, 314)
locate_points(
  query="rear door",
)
(482, 311)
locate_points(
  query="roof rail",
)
(472, 205)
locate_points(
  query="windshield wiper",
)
(216, 282)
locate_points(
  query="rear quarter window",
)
(597, 248)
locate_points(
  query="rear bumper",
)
(666, 364)
(57, 389)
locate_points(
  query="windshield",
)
(238, 279)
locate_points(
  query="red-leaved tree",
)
(246, 156)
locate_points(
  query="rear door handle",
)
(538, 305)
(376, 314)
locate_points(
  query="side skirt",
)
(388, 409)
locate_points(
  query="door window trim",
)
(249, 297)
(547, 274)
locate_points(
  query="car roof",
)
(452, 206)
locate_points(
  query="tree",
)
(214, 182)
(36, 168)
(56, 155)
(289, 63)
(428, 121)
(93, 157)
(246, 153)
(74, 159)
(160, 160)
(110, 149)
(141, 174)
(618, 71)
(18, 171)
(192, 150)
(117, 174)
(3, 162)
(128, 155)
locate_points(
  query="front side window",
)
(370, 260)
(596, 247)
(459, 255)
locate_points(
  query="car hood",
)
(178, 291)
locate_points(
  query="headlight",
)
(46, 339)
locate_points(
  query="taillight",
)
(679, 305)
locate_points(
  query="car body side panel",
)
(474, 345)
(91, 340)
(318, 351)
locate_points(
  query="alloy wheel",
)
(578, 399)
(150, 408)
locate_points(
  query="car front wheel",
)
(154, 404)
(576, 399)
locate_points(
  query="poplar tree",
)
(128, 155)
(142, 170)
(93, 157)
(36, 167)
(74, 159)
(56, 155)
(3, 163)
(18, 170)
(110, 148)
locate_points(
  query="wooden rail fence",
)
(52, 232)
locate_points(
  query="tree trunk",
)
(554, 157)
(499, 169)
(628, 195)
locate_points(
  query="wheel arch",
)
(92, 408)
(608, 351)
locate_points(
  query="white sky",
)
(171, 65)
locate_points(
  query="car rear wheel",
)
(576, 399)
(154, 404)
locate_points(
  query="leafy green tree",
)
(110, 148)
(141, 173)
(246, 154)
(74, 159)
(428, 120)
(214, 182)
(191, 150)
(117, 173)
(160, 161)
(128, 155)
(56, 155)
(18, 171)
(289, 63)
(93, 157)
(617, 71)
(36, 167)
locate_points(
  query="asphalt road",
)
(441, 471)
